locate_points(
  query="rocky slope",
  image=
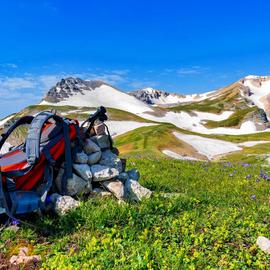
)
(69, 87)
(156, 97)
(153, 96)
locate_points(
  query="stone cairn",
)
(98, 170)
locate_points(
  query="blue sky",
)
(180, 46)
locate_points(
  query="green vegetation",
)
(208, 105)
(82, 112)
(255, 154)
(262, 136)
(148, 140)
(228, 99)
(116, 114)
(211, 221)
(153, 139)
(234, 120)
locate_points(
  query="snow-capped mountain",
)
(240, 108)
(82, 93)
(159, 97)
(69, 87)
(235, 109)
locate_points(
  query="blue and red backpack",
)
(27, 171)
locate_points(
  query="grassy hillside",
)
(255, 154)
(234, 120)
(149, 141)
(210, 219)
(227, 98)
(81, 113)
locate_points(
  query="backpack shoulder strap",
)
(21, 121)
(32, 144)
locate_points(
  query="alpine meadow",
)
(133, 135)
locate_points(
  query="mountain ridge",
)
(229, 110)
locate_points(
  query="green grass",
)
(81, 113)
(151, 140)
(203, 106)
(227, 100)
(257, 153)
(148, 140)
(212, 223)
(118, 115)
(234, 120)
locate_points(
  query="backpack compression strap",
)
(32, 144)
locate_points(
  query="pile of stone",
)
(98, 170)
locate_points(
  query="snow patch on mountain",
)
(252, 143)
(158, 97)
(174, 155)
(194, 122)
(211, 148)
(102, 95)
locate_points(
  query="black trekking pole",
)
(100, 115)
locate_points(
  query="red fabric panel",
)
(29, 180)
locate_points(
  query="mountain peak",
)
(70, 86)
(153, 96)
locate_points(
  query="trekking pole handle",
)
(99, 114)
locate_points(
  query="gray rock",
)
(264, 244)
(102, 173)
(102, 192)
(116, 187)
(81, 158)
(90, 147)
(123, 177)
(102, 141)
(58, 179)
(136, 192)
(77, 185)
(94, 158)
(63, 204)
(84, 171)
(111, 160)
(134, 174)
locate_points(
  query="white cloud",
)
(8, 65)
(194, 70)
(142, 84)
(15, 86)
(12, 83)
(190, 70)
(47, 81)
